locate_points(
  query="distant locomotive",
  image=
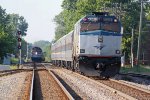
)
(37, 54)
(93, 48)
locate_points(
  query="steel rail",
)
(132, 86)
(10, 72)
(31, 88)
(60, 84)
(62, 87)
(3, 71)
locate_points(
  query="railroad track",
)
(136, 75)
(125, 90)
(9, 72)
(128, 91)
(44, 85)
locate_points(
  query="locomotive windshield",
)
(36, 50)
(100, 23)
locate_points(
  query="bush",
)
(14, 60)
(135, 69)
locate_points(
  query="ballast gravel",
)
(85, 88)
(11, 86)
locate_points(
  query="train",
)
(93, 48)
(37, 54)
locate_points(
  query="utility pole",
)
(139, 37)
(27, 52)
(132, 40)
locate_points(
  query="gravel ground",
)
(85, 88)
(11, 86)
(139, 82)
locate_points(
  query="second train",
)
(93, 48)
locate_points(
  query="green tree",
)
(9, 24)
(128, 11)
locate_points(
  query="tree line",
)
(128, 11)
(9, 25)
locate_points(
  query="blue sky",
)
(38, 13)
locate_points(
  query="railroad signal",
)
(19, 39)
(19, 46)
(19, 32)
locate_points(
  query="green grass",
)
(14, 60)
(135, 69)
(13, 67)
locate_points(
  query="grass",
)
(14, 60)
(136, 69)
(13, 67)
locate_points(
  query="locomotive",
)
(37, 54)
(93, 48)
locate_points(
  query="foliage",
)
(128, 11)
(41, 44)
(47, 50)
(13, 67)
(9, 24)
(14, 60)
(135, 69)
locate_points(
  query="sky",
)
(39, 15)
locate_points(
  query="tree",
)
(9, 25)
(126, 10)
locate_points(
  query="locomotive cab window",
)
(112, 27)
(102, 23)
(90, 26)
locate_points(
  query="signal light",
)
(19, 39)
(19, 32)
(19, 46)
(115, 20)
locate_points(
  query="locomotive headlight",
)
(117, 51)
(115, 20)
(36, 53)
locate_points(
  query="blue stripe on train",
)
(100, 32)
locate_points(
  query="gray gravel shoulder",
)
(11, 85)
(85, 88)
(4, 67)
